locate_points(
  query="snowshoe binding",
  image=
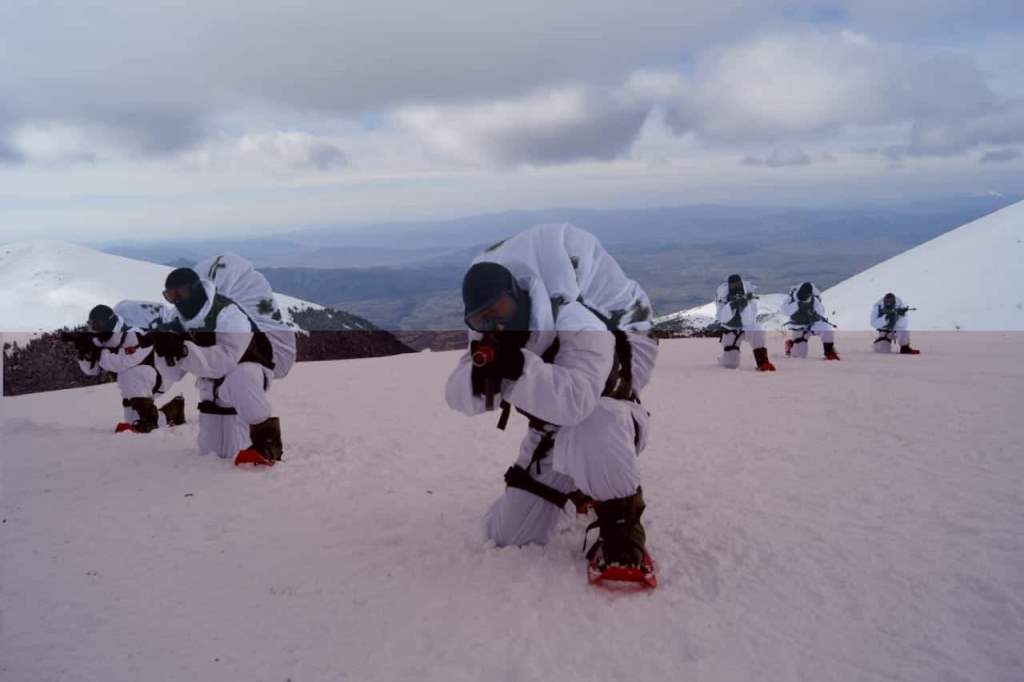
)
(619, 555)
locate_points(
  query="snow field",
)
(859, 520)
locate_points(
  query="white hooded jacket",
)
(790, 306)
(121, 352)
(567, 391)
(233, 332)
(879, 321)
(725, 314)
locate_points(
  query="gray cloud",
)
(547, 127)
(10, 155)
(779, 158)
(1000, 156)
(950, 135)
(601, 136)
(158, 75)
(159, 70)
(326, 156)
(804, 86)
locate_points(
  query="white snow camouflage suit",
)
(597, 438)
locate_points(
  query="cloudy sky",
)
(149, 118)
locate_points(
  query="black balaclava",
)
(485, 283)
(186, 277)
(889, 300)
(805, 291)
(735, 284)
(102, 321)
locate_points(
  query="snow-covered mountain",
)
(971, 278)
(45, 285)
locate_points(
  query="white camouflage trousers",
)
(245, 389)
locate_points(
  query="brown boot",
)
(266, 439)
(148, 417)
(174, 411)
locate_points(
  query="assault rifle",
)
(167, 340)
(83, 343)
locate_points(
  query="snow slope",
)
(855, 521)
(971, 278)
(45, 285)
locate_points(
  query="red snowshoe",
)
(266, 447)
(122, 427)
(619, 555)
(642, 576)
(250, 456)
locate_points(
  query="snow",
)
(848, 521)
(971, 278)
(46, 284)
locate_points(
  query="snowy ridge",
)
(971, 278)
(46, 285)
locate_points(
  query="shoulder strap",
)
(260, 349)
(620, 381)
(220, 302)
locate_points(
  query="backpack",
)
(142, 315)
(236, 280)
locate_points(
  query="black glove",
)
(510, 362)
(169, 346)
(85, 348)
(146, 340)
(738, 304)
(497, 356)
(484, 376)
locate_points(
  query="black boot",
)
(622, 537)
(266, 439)
(761, 358)
(148, 417)
(830, 351)
(174, 411)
